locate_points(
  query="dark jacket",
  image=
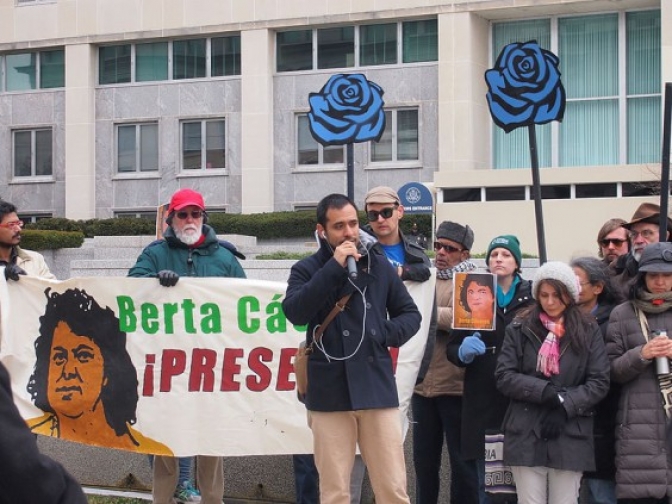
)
(483, 406)
(27, 476)
(417, 265)
(643, 463)
(583, 381)
(623, 272)
(358, 375)
(211, 258)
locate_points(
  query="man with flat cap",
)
(643, 229)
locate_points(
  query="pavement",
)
(147, 496)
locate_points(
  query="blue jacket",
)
(365, 380)
(211, 258)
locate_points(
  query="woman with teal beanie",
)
(483, 406)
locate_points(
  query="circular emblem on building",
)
(413, 195)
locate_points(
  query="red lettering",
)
(255, 362)
(230, 368)
(148, 377)
(286, 368)
(202, 374)
(173, 363)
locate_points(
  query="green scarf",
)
(652, 303)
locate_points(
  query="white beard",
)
(189, 235)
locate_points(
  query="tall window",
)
(225, 56)
(189, 59)
(137, 147)
(310, 151)
(32, 152)
(114, 64)
(203, 144)
(35, 70)
(400, 138)
(613, 100)
(151, 61)
(353, 46)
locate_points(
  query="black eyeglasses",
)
(386, 212)
(616, 241)
(447, 248)
(195, 214)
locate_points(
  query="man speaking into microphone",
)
(352, 394)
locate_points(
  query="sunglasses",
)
(447, 248)
(13, 224)
(616, 241)
(372, 215)
(195, 214)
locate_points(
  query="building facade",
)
(109, 106)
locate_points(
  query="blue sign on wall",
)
(416, 198)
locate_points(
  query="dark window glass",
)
(378, 44)
(22, 154)
(420, 41)
(407, 135)
(52, 69)
(126, 148)
(462, 194)
(43, 148)
(595, 190)
(114, 64)
(629, 189)
(555, 192)
(215, 156)
(225, 56)
(191, 146)
(336, 47)
(504, 193)
(189, 59)
(294, 50)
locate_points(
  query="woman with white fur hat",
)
(554, 368)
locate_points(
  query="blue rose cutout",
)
(348, 109)
(525, 88)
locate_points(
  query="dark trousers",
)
(434, 419)
(306, 479)
(648, 500)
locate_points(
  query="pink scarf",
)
(548, 359)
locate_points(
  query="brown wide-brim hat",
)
(647, 212)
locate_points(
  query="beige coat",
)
(33, 264)
(443, 377)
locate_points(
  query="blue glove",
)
(471, 347)
(167, 278)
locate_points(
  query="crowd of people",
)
(574, 373)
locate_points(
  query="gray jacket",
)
(583, 381)
(643, 464)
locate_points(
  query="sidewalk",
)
(130, 494)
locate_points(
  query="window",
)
(137, 147)
(203, 144)
(114, 64)
(378, 44)
(129, 214)
(613, 105)
(225, 56)
(311, 152)
(35, 70)
(400, 138)
(189, 59)
(151, 62)
(505, 193)
(354, 46)
(32, 153)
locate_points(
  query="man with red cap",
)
(190, 248)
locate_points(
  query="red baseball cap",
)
(184, 198)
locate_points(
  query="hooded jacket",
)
(353, 370)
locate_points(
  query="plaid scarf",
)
(548, 359)
(447, 274)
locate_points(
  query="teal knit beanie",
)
(508, 242)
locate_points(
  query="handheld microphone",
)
(352, 267)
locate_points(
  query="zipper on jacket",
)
(190, 262)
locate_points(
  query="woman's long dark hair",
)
(578, 326)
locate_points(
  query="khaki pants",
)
(542, 485)
(378, 432)
(209, 479)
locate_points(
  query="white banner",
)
(204, 367)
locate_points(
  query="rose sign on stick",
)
(524, 87)
(348, 109)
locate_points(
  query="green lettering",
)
(212, 319)
(150, 318)
(277, 321)
(170, 312)
(188, 307)
(246, 305)
(127, 319)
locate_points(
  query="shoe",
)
(186, 493)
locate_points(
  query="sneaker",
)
(186, 493)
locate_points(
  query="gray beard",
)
(188, 239)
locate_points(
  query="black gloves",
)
(167, 278)
(553, 423)
(550, 396)
(12, 272)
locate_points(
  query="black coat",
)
(483, 406)
(363, 378)
(27, 476)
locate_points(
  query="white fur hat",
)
(561, 272)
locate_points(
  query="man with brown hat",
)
(643, 229)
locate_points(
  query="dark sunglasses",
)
(372, 215)
(448, 248)
(195, 214)
(616, 241)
